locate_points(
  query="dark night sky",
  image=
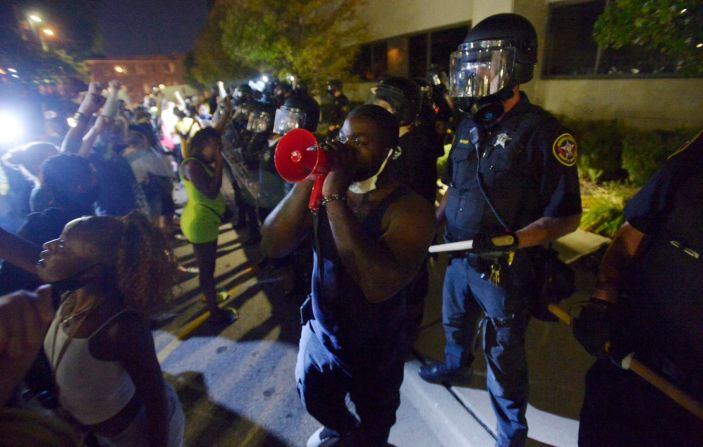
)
(150, 27)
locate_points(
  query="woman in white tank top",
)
(99, 344)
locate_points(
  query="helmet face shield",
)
(480, 69)
(259, 122)
(390, 99)
(288, 118)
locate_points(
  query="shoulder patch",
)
(564, 149)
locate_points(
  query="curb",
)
(448, 419)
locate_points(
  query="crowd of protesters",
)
(88, 229)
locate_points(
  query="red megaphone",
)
(297, 157)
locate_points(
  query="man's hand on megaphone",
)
(344, 162)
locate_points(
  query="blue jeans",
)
(372, 380)
(468, 291)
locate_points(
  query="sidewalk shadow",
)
(209, 424)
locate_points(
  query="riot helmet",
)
(499, 53)
(298, 111)
(400, 96)
(260, 117)
(242, 93)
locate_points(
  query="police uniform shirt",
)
(527, 169)
(649, 208)
(663, 285)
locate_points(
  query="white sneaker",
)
(323, 437)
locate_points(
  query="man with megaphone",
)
(370, 236)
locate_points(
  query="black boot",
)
(441, 373)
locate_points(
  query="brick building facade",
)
(138, 74)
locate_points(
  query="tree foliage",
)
(670, 27)
(208, 62)
(307, 38)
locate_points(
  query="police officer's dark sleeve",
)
(649, 207)
(447, 174)
(559, 185)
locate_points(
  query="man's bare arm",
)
(288, 224)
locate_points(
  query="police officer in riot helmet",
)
(298, 111)
(260, 126)
(338, 107)
(648, 301)
(444, 105)
(429, 120)
(282, 91)
(414, 165)
(513, 188)
(242, 94)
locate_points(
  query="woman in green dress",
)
(201, 172)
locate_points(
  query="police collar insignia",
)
(501, 139)
(564, 149)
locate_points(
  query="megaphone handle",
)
(316, 193)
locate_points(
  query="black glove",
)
(593, 327)
(495, 243)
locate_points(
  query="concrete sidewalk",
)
(462, 416)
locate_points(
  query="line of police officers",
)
(512, 172)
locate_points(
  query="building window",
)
(443, 43)
(372, 61)
(417, 55)
(571, 50)
(424, 49)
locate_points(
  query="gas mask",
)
(481, 78)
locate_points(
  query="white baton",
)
(452, 246)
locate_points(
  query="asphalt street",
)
(236, 383)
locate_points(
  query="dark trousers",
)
(468, 292)
(621, 409)
(372, 382)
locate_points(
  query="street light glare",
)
(35, 18)
(119, 69)
(49, 32)
(10, 128)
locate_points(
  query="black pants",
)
(621, 409)
(372, 382)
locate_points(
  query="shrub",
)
(644, 151)
(599, 146)
(603, 206)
